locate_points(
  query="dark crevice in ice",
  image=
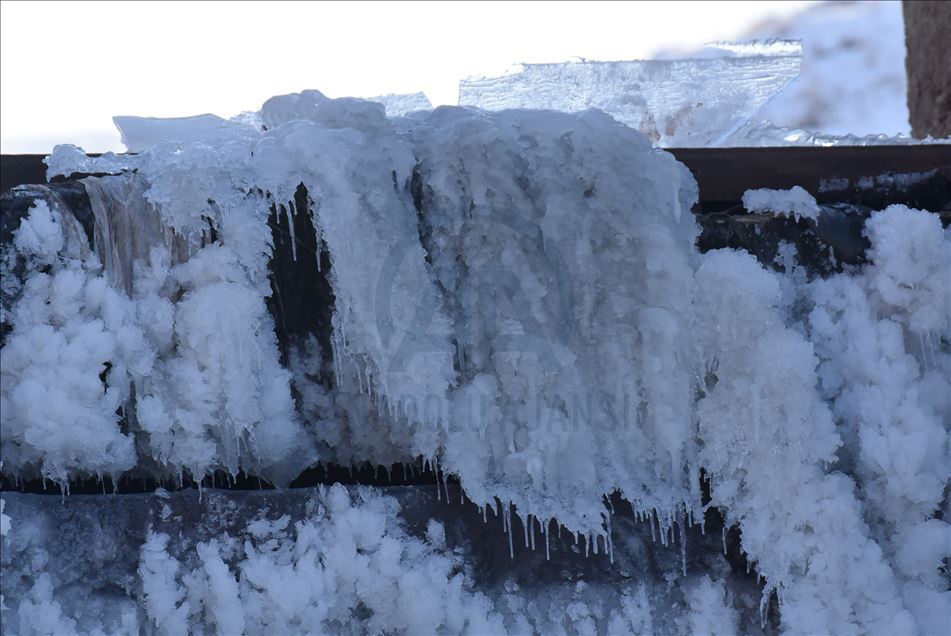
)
(302, 299)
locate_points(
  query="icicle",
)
(485, 517)
(289, 214)
(525, 523)
(723, 536)
(547, 552)
(650, 520)
(532, 524)
(587, 546)
(683, 549)
(610, 540)
(508, 514)
(318, 243)
(763, 603)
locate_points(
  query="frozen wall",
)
(516, 299)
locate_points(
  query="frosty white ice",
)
(532, 274)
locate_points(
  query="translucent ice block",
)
(688, 102)
(402, 104)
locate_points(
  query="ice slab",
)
(403, 104)
(760, 133)
(690, 102)
(140, 133)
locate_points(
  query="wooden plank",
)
(20, 170)
(722, 173)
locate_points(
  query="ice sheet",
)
(687, 103)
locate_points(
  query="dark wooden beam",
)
(724, 174)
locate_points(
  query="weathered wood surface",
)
(928, 66)
(834, 173)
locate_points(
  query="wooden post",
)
(928, 64)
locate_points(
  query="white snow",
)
(853, 70)
(795, 202)
(878, 335)
(768, 438)
(58, 415)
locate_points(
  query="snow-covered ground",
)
(517, 300)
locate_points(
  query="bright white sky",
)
(66, 68)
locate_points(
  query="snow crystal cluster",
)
(335, 561)
(517, 299)
(795, 202)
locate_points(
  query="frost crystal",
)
(795, 202)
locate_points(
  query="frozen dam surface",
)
(513, 299)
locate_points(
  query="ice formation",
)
(141, 133)
(334, 561)
(550, 411)
(881, 337)
(795, 202)
(403, 104)
(518, 300)
(687, 102)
